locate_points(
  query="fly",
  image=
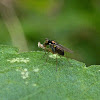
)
(54, 48)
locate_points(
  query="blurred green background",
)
(73, 23)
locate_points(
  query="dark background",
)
(73, 23)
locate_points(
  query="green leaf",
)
(27, 76)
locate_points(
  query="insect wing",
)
(63, 48)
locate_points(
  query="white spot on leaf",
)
(24, 73)
(25, 69)
(26, 82)
(13, 60)
(34, 84)
(54, 56)
(36, 69)
(17, 69)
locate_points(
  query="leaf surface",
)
(27, 76)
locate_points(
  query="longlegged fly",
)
(54, 48)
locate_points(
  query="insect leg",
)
(68, 61)
(46, 49)
(56, 63)
(47, 56)
(44, 54)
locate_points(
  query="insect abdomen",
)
(59, 51)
